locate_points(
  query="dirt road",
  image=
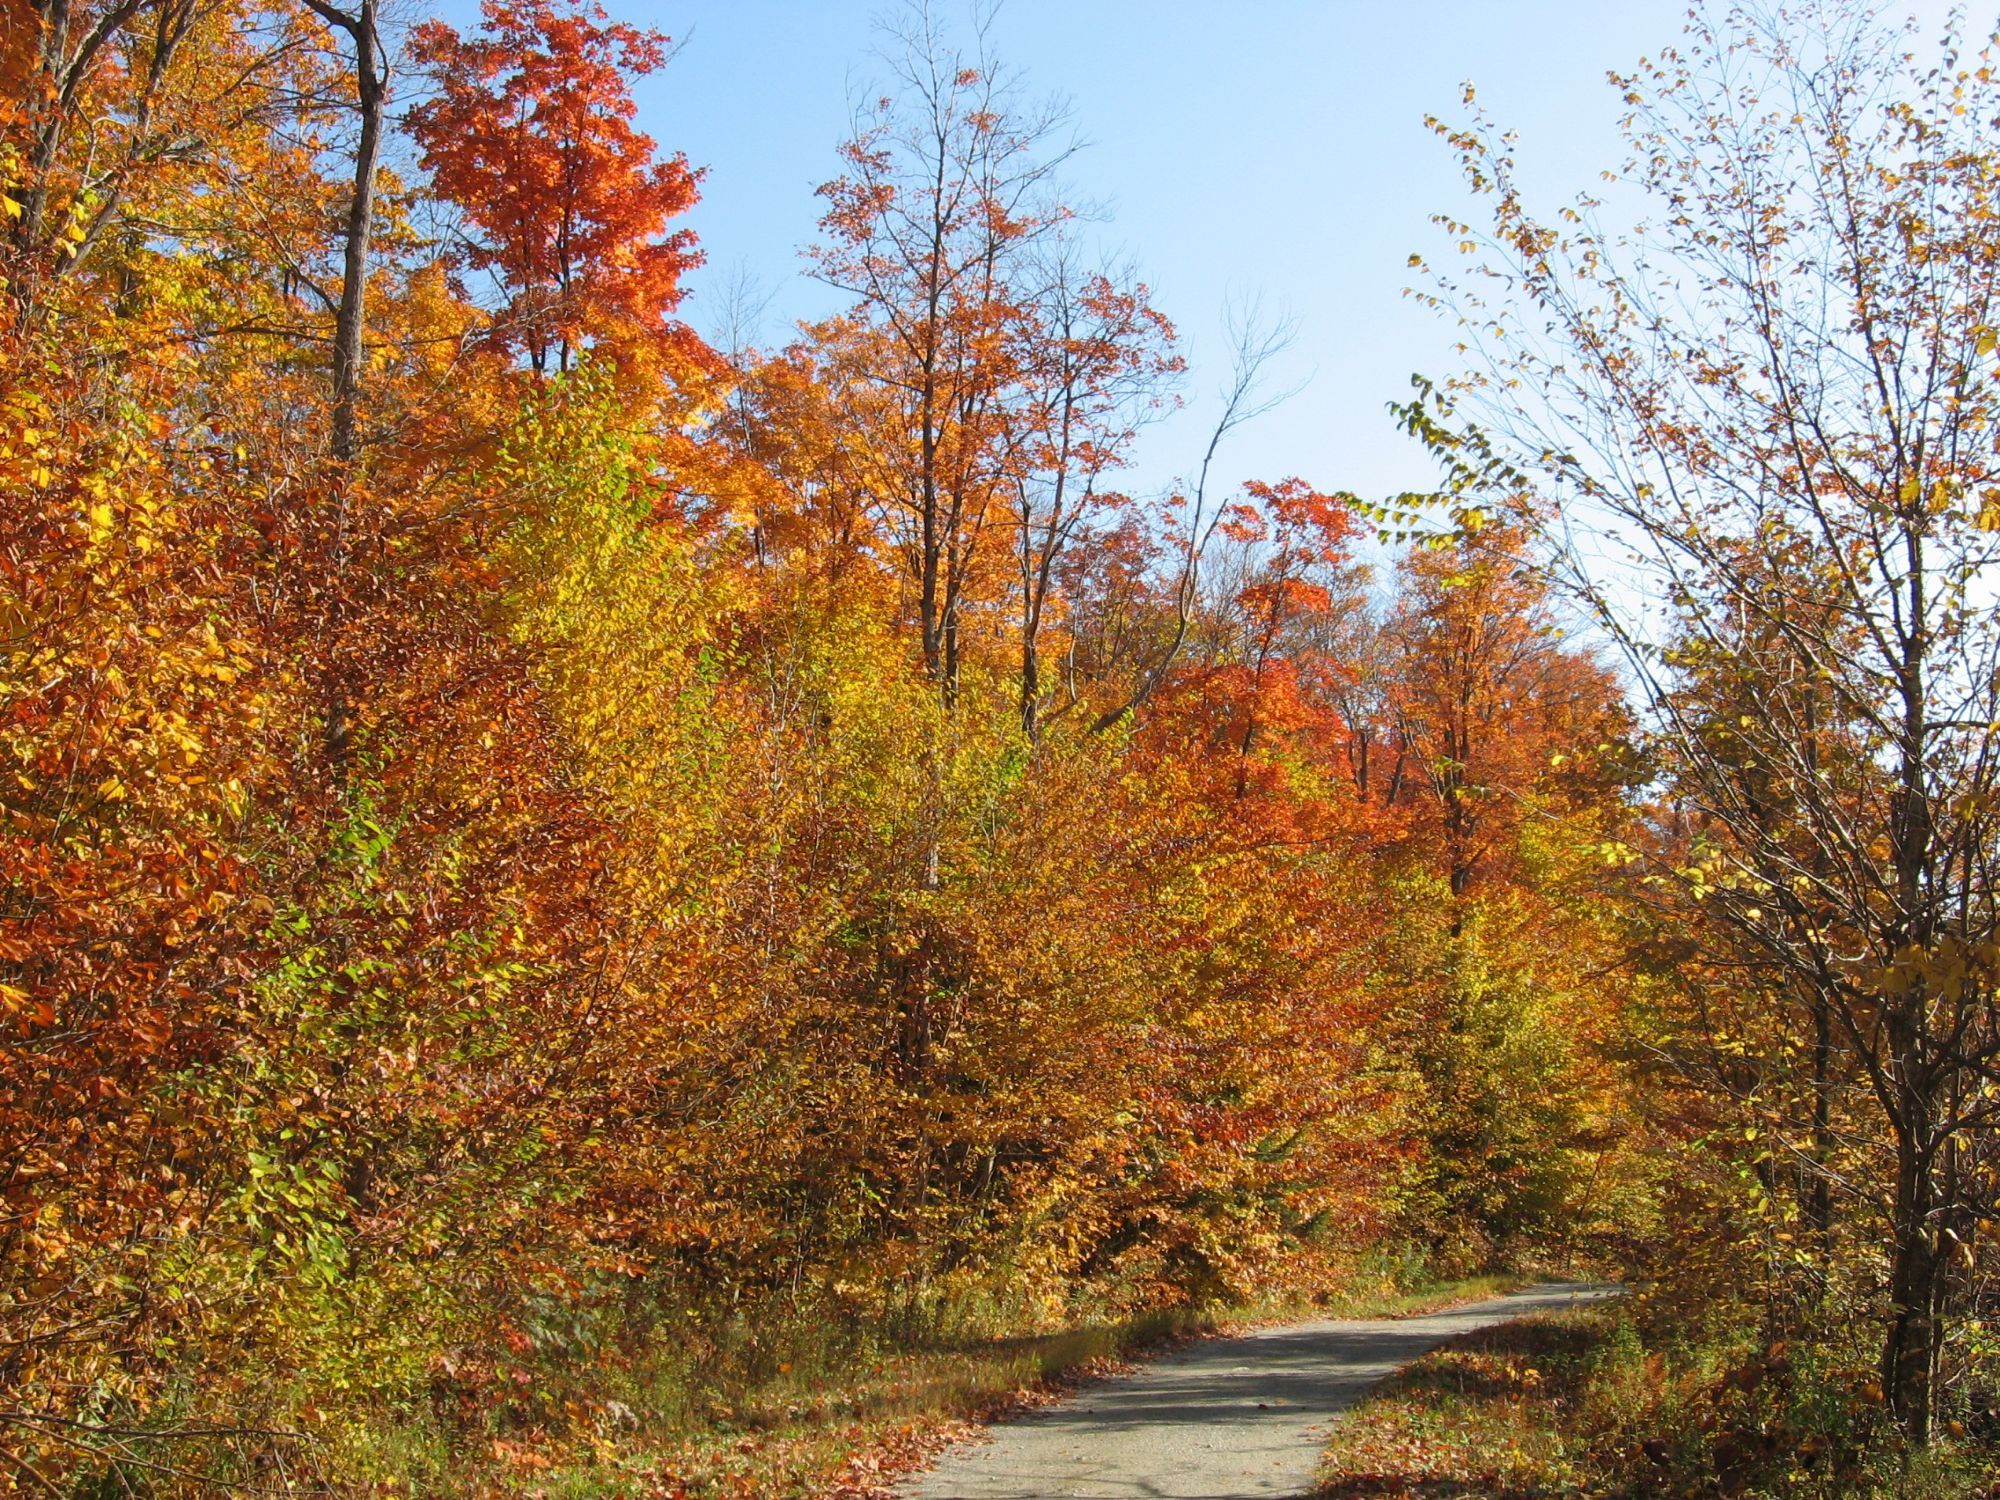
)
(1221, 1419)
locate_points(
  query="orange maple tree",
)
(531, 134)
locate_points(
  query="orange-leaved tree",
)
(946, 189)
(531, 134)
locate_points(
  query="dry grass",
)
(1574, 1405)
(813, 1408)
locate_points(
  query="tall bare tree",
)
(1092, 361)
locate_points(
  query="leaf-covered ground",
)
(1576, 1405)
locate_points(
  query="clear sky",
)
(1263, 148)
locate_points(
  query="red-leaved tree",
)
(531, 134)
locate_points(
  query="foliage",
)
(1778, 393)
(1622, 1402)
(530, 133)
(528, 849)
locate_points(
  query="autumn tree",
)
(1491, 710)
(1780, 399)
(1287, 579)
(188, 1023)
(1092, 361)
(60, 60)
(530, 133)
(948, 183)
(1172, 595)
(1511, 763)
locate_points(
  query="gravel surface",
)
(1220, 1419)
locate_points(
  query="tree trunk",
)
(1911, 1353)
(1819, 1191)
(1031, 688)
(371, 88)
(371, 84)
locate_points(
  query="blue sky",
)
(1268, 148)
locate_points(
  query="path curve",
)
(1219, 1419)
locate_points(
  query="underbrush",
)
(642, 1393)
(1599, 1402)
(807, 1402)
(804, 1406)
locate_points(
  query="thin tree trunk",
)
(371, 87)
(371, 80)
(1910, 1353)
(1819, 1192)
(1031, 688)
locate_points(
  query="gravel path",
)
(1220, 1419)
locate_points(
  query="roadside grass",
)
(1368, 1297)
(826, 1411)
(1391, 1302)
(1575, 1404)
(802, 1407)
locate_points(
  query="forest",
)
(592, 909)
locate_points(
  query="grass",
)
(837, 1416)
(1574, 1404)
(1370, 1297)
(1394, 1303)
(806, 1408)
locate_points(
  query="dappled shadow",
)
(1537, 1359)
(1273, 1377)
(1479, 1365)
(1238, 1418)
